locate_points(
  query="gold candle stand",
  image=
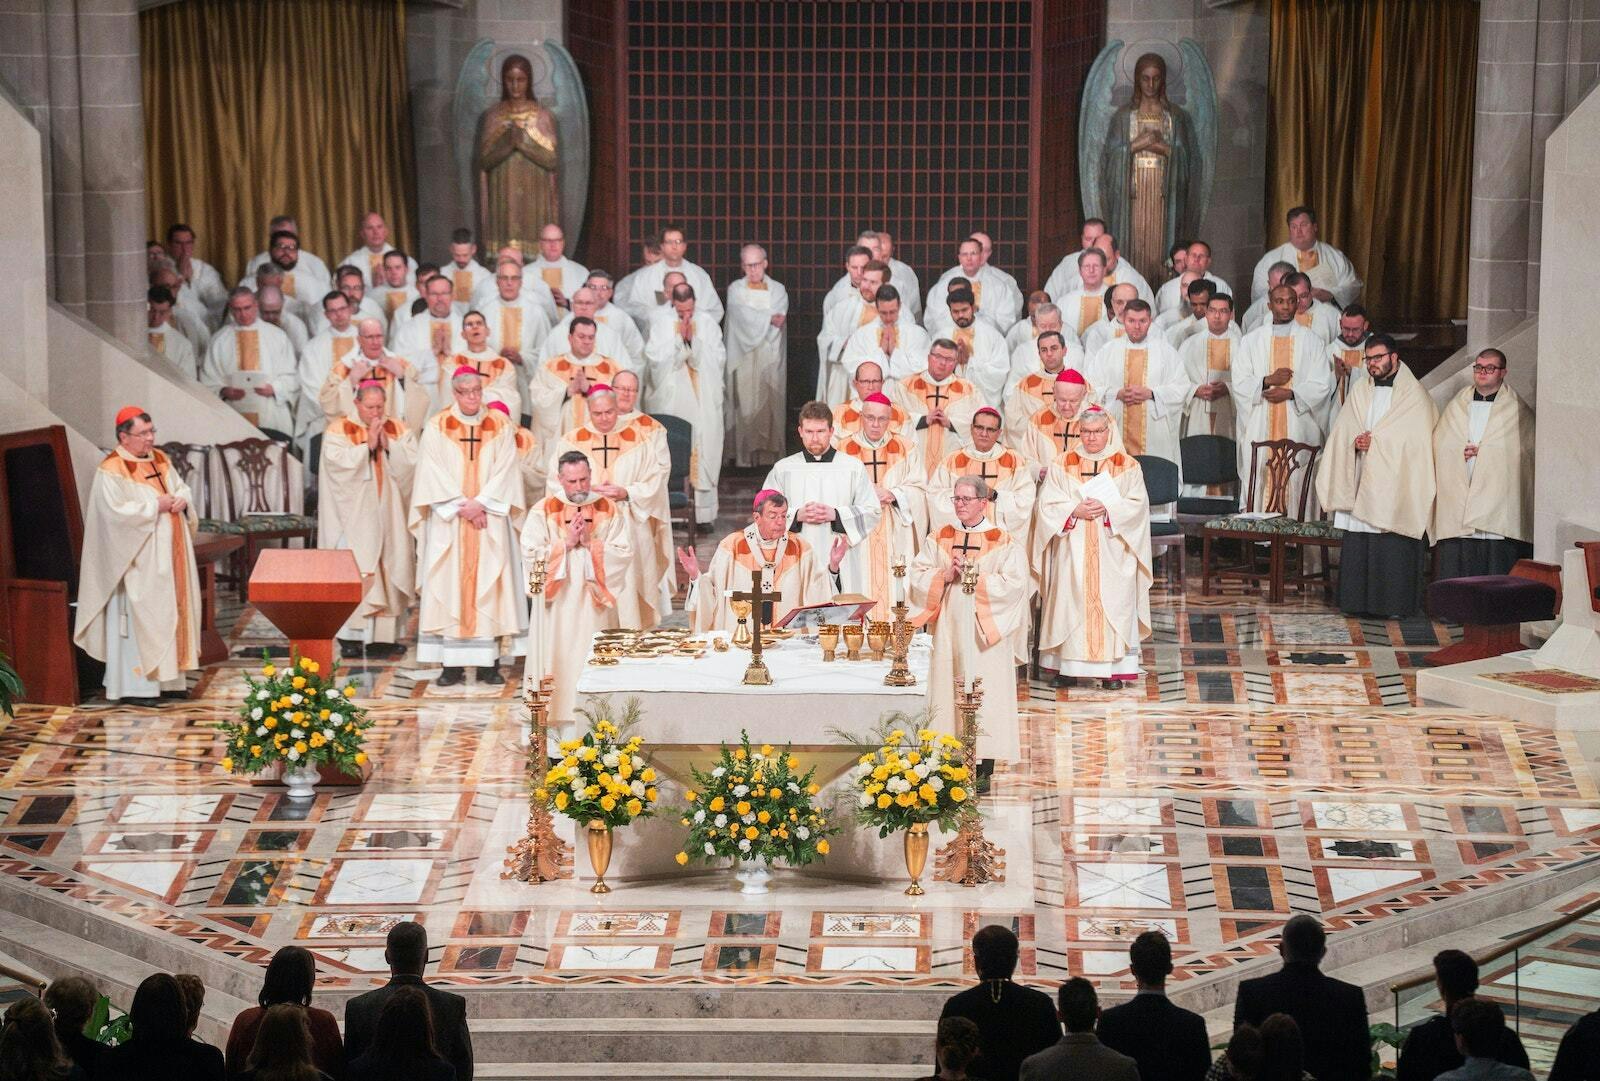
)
(970, 859)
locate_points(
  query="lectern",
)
(307, 593)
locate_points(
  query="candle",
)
(899, 581)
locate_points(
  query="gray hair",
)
(1098, 418)
(979, 486)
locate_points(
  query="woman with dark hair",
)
(283, 1047)
(72, 999)
(1283, 1050)
(291, 975)
(955, 1046)
(29, 1050)
(402, 1046)
(160, 1048)
(1242, 1060)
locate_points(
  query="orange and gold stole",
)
(559, 515)
(1135, 372)
(510, 327)
(154, 473)
(1094, 609)
(461, 280)
(1348, 359)
(247, 344)
(1306, 260)
(1090, 309)
(1278, 412)
(969, 545)
(552, 277)
(1219, 358)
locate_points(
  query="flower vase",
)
(916, 844)
(599, 837)
(302, 780)
(755, 876)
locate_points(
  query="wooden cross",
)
(874, 463)
(472, 439)
(155, 475)
(606, 450)
(759, 598)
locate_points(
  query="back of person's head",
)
(1303, 939)
(1078, 1004)
(956, 1045)
(29, 1050)
(1246, 1052)
(407, 948)
(1457, 974)
(405, 1029)
(159, 1012)
(291, 975)
(194, 999)
(1283, 1052)
(72, 1000)
(283, 1046)
(1150, 958)
(1479, 1026)
(994, 952)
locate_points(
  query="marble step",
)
(840, 1039)
(757, 1003)
(696, 1071)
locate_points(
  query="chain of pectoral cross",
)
(155, 475)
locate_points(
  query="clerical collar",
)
(983, 525)
(1279, 330)
(476, 418)
(1387, 381)
(825, 456)
(1477, 397)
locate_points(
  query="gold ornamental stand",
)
(970, 859)
(756, 674)
(900, 632)
(541, 856)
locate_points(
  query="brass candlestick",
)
(900, 632)
(970, 859)
(540, 856)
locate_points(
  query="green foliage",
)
(11, 687)
(103, 1028)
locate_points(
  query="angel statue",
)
(1146, 166)
(524, 160)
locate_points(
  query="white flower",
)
(327, 733)
(719, 771)
(332, 693)
(711, 849)
(638, 763)
(863, 768)
(335, 719)
(262, 696)
(293, 754)
(919, 771)
(261, 730)
(744, 845)
(637, 787)
(577, 784)
(898, 785)
(791, 786)
(610, 759)
(803, 833)
(936, 783)
(298, 733)
(747, 819)
(741, 790)
(720, 821)
(255, 714)
(700, 815)
(864, 800)
(297, 698)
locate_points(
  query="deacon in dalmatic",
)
(787, 565)
(1280, 384)
(970, 586)
(895, 470)
(629, 464)
(829, 495)
(466, 505)
(368, 460)
(138, 589)
(1376, 476)
(1091, 549)
(583, 540)
(757, 372)
(1483, 462)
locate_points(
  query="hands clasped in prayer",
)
(1276, 386)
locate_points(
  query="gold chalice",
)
(741, 630)
(877, 638)
(853, 637)
(828, 636)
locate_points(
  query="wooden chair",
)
(1283, 459)
(680, 486)
(1161, 486)
(255, 478)
(1211, 460)
(193, 463)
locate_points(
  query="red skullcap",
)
(127, 413)
(1070, 375)
(761, 497)
(502, 406)
(465, 369)
(600, 388)
(365, 383)
(878, 398)
(991, 410)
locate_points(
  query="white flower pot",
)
(302, 780)
(755, 876)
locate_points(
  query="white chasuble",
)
(364, 501)
(787, 565)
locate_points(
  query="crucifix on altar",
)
(756, 675)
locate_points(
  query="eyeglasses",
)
(1379, 356)
(1486, 368)
(987, 429)
(967, 499)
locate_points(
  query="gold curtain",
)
(1370, 106)
(256, 108)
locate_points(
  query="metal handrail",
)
(32, 982)
(1510, 946)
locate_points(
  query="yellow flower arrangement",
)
(748, 789)
(910, 778)
(600, 777)
(274, 723)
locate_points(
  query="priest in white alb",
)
(1347, 364)
(608, 339)
(1208, 357)
(982, 357)
(1109, 326)
(686, 380)
(466, 506)
(757, 372)
(405, 396)
(431, 337)
(938, 403)
(895, 470)
(518, 326)
(1279, 387)
(855, 260)
(1091, 551)
(1317, 316)
(891, 340)
(1140, 381)
(251, 365)
(787, 565)
(995, 293)
(970, 586)
(368, 460)
(582, 541)
(846, 317)
(1030, 389)
(1171, 295)
(1483, 466)
(629, 464)
(1333, 278)
(558, 387)
(317, 360)
(499, 374)
(551, 265)
(138, 604)
(829, 495)
(164, 337)
(374, 246)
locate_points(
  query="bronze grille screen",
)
(794, 124)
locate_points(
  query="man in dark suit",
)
(1013, 1021)
(1332, 1014)
(407, 955)
(1430, 1048)
(1168, 1042)
(1079, 1056)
